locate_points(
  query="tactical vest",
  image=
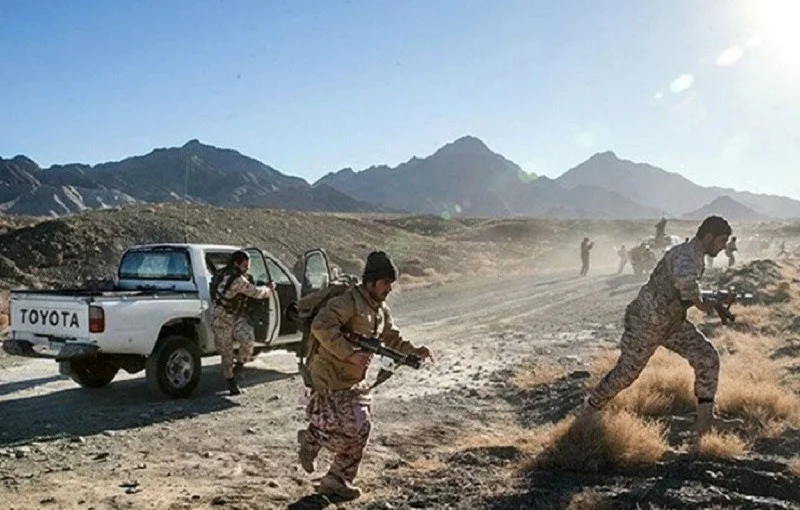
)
(220, 284)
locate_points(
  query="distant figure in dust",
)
(622, 252)
(661, 228)
(586, 247)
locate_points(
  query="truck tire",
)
(174, 367)
(92, 374)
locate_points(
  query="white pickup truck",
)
(157, 318)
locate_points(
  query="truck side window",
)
(258, 270)
(279, 276)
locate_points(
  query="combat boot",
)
(332, 484)
(308, 451)
(238, 367)
(706, 419)
(233, 386)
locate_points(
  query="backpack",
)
(307, 308)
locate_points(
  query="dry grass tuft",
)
(722, 446)
(794, 466)
(530, 376)
(589, 500)
(597, 442)
(755, 315)
(664, 386)
(750, 384)
(426, 465)
(527, 440)
(759, 401)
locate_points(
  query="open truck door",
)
(264, 315)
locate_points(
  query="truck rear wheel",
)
(93, 373)
(174, 367)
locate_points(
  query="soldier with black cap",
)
(338, 408)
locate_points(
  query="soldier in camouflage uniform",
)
(339, 407)
(229, 320)
(657, 318)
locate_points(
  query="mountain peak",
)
(24, 162)
(194, 142)
(465, 145)
(728, 207)
(605, 156)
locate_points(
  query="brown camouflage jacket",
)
(357, 312)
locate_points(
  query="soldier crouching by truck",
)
(231, 289)
(339, 405)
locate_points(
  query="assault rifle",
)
(722, 301)
(375, 346)
(394, 357)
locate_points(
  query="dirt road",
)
(120, 448)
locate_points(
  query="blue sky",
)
(705, 88)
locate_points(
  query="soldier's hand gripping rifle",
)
(722, 300)
(375, 346)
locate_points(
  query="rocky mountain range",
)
(671, 193)
(195, 173)
(465, 177)
(462, 178)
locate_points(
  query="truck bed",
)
(105, 293)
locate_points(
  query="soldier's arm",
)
(242, 286)
(392, 338)
(328, 323)
(686, 274)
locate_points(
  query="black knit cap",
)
(378, 267)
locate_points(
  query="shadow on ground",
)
(122, 405)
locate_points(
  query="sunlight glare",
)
(778, 22)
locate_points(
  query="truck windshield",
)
(155, 265)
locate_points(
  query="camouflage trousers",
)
(640, 341)
(228, 329)
(340, 423)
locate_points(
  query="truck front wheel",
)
(92, 373)
(174, 367)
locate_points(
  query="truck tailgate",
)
(49, 317)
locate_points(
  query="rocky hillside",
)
(68, 251)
